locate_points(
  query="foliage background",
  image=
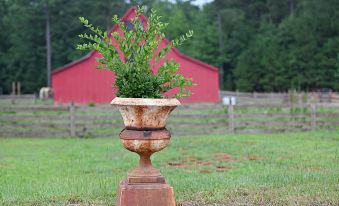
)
(262, 45)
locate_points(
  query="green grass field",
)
(276, 169)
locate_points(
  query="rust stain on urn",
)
(146, 134)
(145, 146)
(143, 142)
(141, 114)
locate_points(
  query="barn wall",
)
(82, 83)
(207, 85)
(205, 78)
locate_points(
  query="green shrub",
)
(134, 78)
(91, 104)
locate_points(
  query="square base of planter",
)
(145, 179)
(145, 194)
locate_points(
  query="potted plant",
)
(141, 97)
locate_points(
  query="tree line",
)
(259, 45)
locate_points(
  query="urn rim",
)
(145, 102)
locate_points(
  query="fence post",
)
(230, 113)
(313, 116)
(330, 96)
(34, 98)
(12, 98)
(18, 88)
(72, 119)
(13, 93)
(290, 98)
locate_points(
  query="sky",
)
(199, 3)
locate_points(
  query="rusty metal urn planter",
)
(145, 133)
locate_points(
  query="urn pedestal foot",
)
(145, 194)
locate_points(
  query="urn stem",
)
(145, 160)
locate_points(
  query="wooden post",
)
(305, 97)
(300, 98)
(290, 97)
(230, 118)
(18, 88)
(320, 97)
(12, 99)
(13, 88)
(48, 44)
(330, 96)
(313, 116)
(285, 98)
(72, 119)
(35, 98)
(13, 93)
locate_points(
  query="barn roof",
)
(115, 27)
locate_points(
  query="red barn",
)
(80, 82)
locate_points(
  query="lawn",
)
(266, 169)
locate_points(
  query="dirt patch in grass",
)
(253, 157)
(206, 163)
(222, 156)
(216, 162)
(221, 168)
(178, 164)
(206, 171)
(188, 204)
(314, 168)
(249, 157)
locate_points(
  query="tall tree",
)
(48, 44)
(263, 45)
